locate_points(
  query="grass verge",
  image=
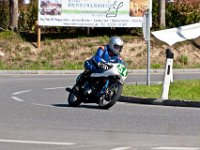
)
(69, 51)
(179, 90)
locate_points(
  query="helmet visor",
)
(118, 48)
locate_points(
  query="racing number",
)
(122, 70)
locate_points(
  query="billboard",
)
(92, 13)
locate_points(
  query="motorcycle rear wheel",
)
(73, 100)
(117, 90)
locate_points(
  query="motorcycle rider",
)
(108, 53)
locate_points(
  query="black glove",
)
(102, 66)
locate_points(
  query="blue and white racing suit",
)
(103, 54)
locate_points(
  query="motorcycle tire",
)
(73, 100)
(115, 97)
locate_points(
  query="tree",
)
(13, 14)
(162, 21)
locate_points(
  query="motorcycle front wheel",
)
(73, 99)
(112, 95)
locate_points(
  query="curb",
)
(39, 72)
(153, 101)
(53, 72)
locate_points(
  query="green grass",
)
(183, 59)
(179, 90)
(7, 35)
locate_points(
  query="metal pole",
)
(148, 64)
(148, 46)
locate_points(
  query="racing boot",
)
(81, 78)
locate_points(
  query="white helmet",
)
(115, 44)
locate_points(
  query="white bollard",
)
(168, 74)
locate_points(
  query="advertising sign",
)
(92, 13)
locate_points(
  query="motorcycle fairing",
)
(111, 72)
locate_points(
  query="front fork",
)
(103, 93)
(103, 90)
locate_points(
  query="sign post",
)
(146, 33)
(38, 32)
(39, 37)
(148, 49)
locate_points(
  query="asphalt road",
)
(34, 115)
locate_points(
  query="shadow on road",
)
(81, 106)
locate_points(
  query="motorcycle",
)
(103, 88)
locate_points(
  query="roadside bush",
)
(155, 14)
(183, 59)
(28, 16)
(4, 17)
(182, 13)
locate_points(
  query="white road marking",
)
(43, 105)
(21, 92)
(54, 88)
(17, 93)
(36, 142)
(17, 99)
(121, 148)
(176, 148)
